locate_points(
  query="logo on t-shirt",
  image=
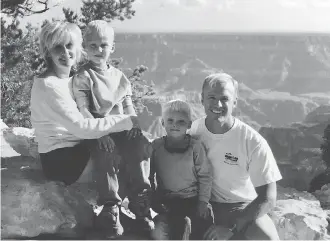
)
(230, 159)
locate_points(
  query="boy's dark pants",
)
(178, 209)
(124, 172)
(127, 169)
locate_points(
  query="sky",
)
(215, 16)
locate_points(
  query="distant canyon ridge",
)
(282, 78)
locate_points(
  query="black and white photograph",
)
(165, 119)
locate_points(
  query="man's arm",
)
(264, 174)
(260, 206)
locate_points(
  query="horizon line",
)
(226, 32)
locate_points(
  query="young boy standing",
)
(183, 176)
(102, 90)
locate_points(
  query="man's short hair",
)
(213, 79)
(177, 105)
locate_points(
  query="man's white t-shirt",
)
(241, 159)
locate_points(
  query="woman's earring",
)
(113, 48)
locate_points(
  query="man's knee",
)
(262, 228)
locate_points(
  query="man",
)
(245, 170)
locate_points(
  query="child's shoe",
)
(140, 206)
(109, 222)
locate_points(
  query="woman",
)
(67, 140)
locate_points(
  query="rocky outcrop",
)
(300, 169)
(320, 180)
(287, 141)
(320, 114)
(22, 140)
(297, 151)
(299, 216)
(279, 109)
(2, 125)
(323, 195)
(32, 206)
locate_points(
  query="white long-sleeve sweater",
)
(57, 120)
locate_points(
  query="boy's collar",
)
(177, 149)
(98, 68)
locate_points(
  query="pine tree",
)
(21, 8)
(20, 61)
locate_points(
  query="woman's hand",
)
(136, 129)
(106, 143)
(134, 132)
(135, 122)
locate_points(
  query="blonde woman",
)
(67, 140)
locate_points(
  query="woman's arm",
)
(61, 108)
(85, 112)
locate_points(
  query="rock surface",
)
(323, 196)
(22, 140)
(2, 125)
(31, 206)
(299, 216)
(297, 151)
(34, 207)
(320, 114)
(300, 169)
(320, 180)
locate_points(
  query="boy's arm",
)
(81, 89)
(127, 102)
(203, 173)
(128, 106)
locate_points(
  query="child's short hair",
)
(177, 105)
(216, 78)
(103, 28)
(57, 32)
